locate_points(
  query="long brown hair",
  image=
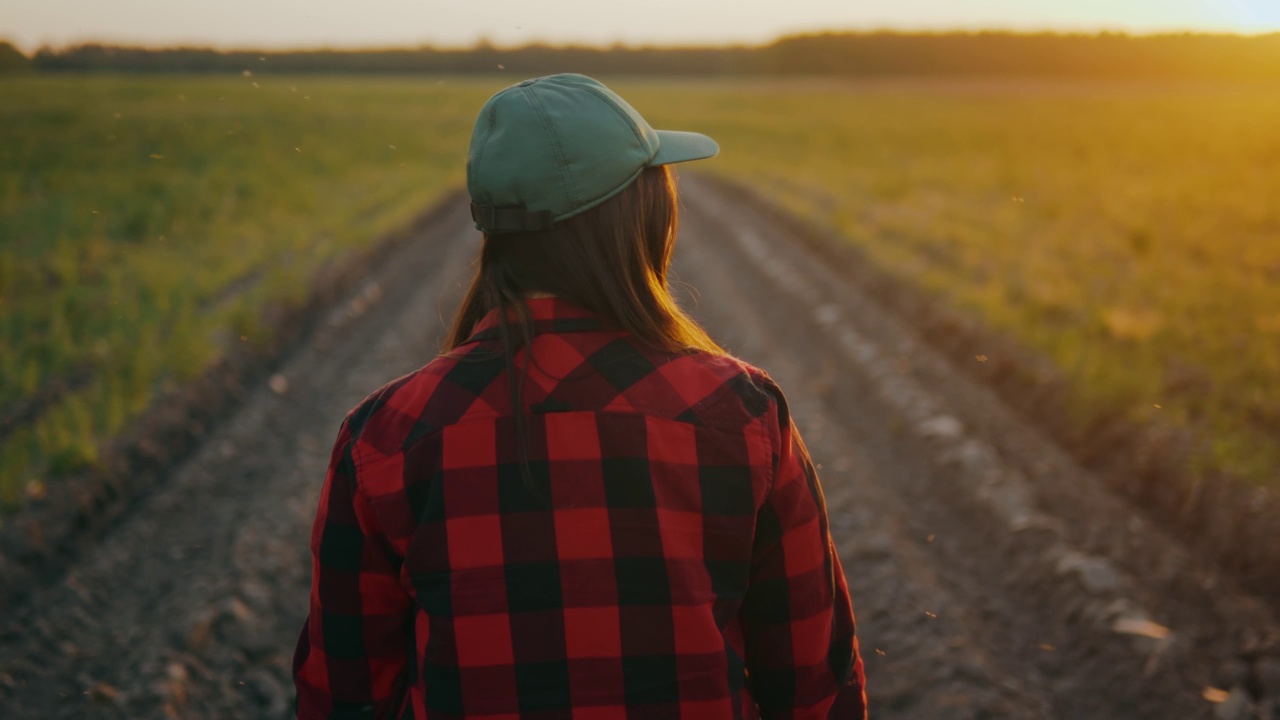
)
(611, 260)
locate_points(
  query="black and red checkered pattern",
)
(670, 558)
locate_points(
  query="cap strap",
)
(511, 219)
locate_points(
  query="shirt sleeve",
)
(352, 657)
(801, 648)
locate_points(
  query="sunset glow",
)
(293, 23)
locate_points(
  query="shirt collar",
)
(548, 314)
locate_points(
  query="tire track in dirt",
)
(923, 657)
(190, 608)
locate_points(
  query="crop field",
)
(146, 223)
(1129, 232)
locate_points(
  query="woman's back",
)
(616, 579)
(584, 508)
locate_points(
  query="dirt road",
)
(991, 577)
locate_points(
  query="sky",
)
(366, 23)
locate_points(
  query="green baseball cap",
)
(551, 147)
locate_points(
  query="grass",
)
(1130, 232)
(146, 223)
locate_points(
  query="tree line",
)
(830, 54)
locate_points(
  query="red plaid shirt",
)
(670, 558)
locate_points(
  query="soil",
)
(992, 576)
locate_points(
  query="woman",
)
(584, 508)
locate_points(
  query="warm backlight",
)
(294, 23)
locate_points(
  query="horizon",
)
(587, 45)
(321, 24)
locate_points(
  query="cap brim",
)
(675, 146)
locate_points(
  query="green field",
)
(1129, 232)
(146, 223)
